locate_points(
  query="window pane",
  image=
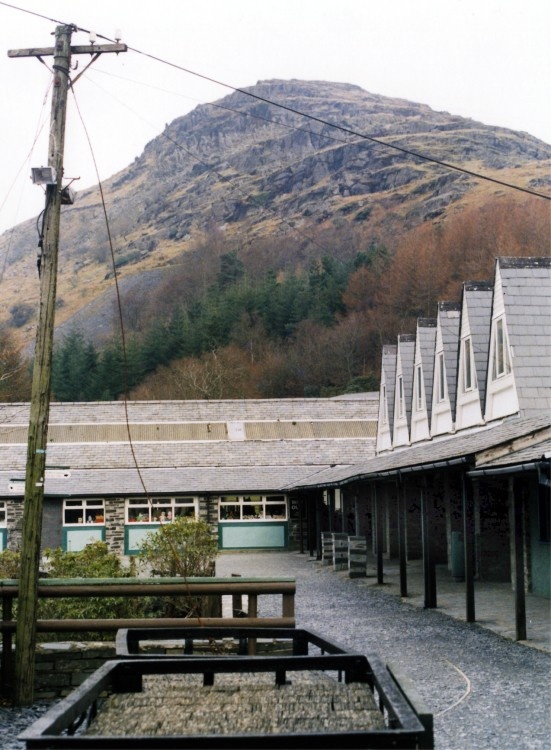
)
(159, 514)
(73, 515)
(276, 510)
(83, 511)
(468, 365)
(185, 511)
(441, 378)
(139, 514)
(229, 512)
(499, 348)
(252, 510)
(400, 397)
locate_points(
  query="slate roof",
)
(449, 320)
(526, 284)
(447, 449)
(191, 446)
(171, 480)
(539, 451)
(112, 412)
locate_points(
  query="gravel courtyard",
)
(486, 692)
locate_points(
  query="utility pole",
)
(41, 384)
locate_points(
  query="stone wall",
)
(114, 525)
(14, 519)
(60, 667)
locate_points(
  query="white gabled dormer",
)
(386, 398)
(474, 339)
(445, 368)
(519, 373)
(403, 389)
(423, 370)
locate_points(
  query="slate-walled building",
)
(227, 462)
(465, 484)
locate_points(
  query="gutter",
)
(541, 467)
(366, 476)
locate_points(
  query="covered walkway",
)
(494, 602)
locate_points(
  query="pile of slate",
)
(238, 704)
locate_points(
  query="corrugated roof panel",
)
(278, 430)
(13, 434)
(195, 431)
(118, 433)
(345, 429)
(315, 430)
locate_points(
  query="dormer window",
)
(384, 415)
(501, 362)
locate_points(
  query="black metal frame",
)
(407, 725)
(128, 640)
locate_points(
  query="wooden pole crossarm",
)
(79, 49)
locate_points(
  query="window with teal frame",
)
(143, 515)
(252, 508)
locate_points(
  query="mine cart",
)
(295, 690)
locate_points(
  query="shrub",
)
(9, 564)
(94, 561)
(185, 547)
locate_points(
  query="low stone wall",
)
(60, 667)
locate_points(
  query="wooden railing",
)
(214, 588)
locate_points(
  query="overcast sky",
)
(485, 59)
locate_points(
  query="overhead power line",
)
(342, 128)
(313, 118)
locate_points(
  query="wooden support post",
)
(402, 547)
(236, 600)
(378, 513)
(331, 508)
(429, 570)
(468, 541)
(253, 613)
(288, 605)
(516, 499)
(318, 528)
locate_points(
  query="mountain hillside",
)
(244, 170)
